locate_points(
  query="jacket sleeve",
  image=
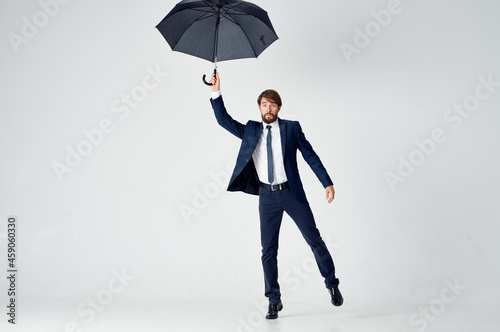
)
(312, 158)
(225, 120)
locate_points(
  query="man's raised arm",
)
(223, 118)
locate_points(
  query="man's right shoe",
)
(337, 298)
(272, 312)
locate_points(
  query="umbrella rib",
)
(226, 11)
(230, 18)
(233, 20)
(229, 7)
(253, 49)
(242, 13)
(201, 10)
(210, 5)
(205, 16)
(211, 10)
(243, 30)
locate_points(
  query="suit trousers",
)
(272, 204)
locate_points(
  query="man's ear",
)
(279, 107)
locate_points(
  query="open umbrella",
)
(218, 30)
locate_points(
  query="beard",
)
(269, 120)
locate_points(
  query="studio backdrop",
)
(115, 169)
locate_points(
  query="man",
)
(267, 166)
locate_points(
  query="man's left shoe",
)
(272, 313)
(337, 298)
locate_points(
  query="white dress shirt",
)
(260, 153)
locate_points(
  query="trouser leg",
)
(271, 214)
(303, 217)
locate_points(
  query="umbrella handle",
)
(204, 76)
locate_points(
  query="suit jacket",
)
(244, 177)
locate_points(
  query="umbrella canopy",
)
(218, 30)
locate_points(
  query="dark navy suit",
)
(272, 204)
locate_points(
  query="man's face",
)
(269, 110)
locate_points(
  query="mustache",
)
(266, 120)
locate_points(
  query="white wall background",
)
(120, 207)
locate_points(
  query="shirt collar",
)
(273, 124)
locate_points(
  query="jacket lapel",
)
(253, 140)
(282, 125)
(258, 132)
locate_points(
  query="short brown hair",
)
(271, 95)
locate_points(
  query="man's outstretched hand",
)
(215, 82)
(330, 193)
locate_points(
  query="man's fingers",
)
(214, 78)
(330, 194)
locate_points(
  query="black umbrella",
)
(218, 30)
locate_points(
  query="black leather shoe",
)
(337, 298)
(272, 312)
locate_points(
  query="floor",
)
(218, 316)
